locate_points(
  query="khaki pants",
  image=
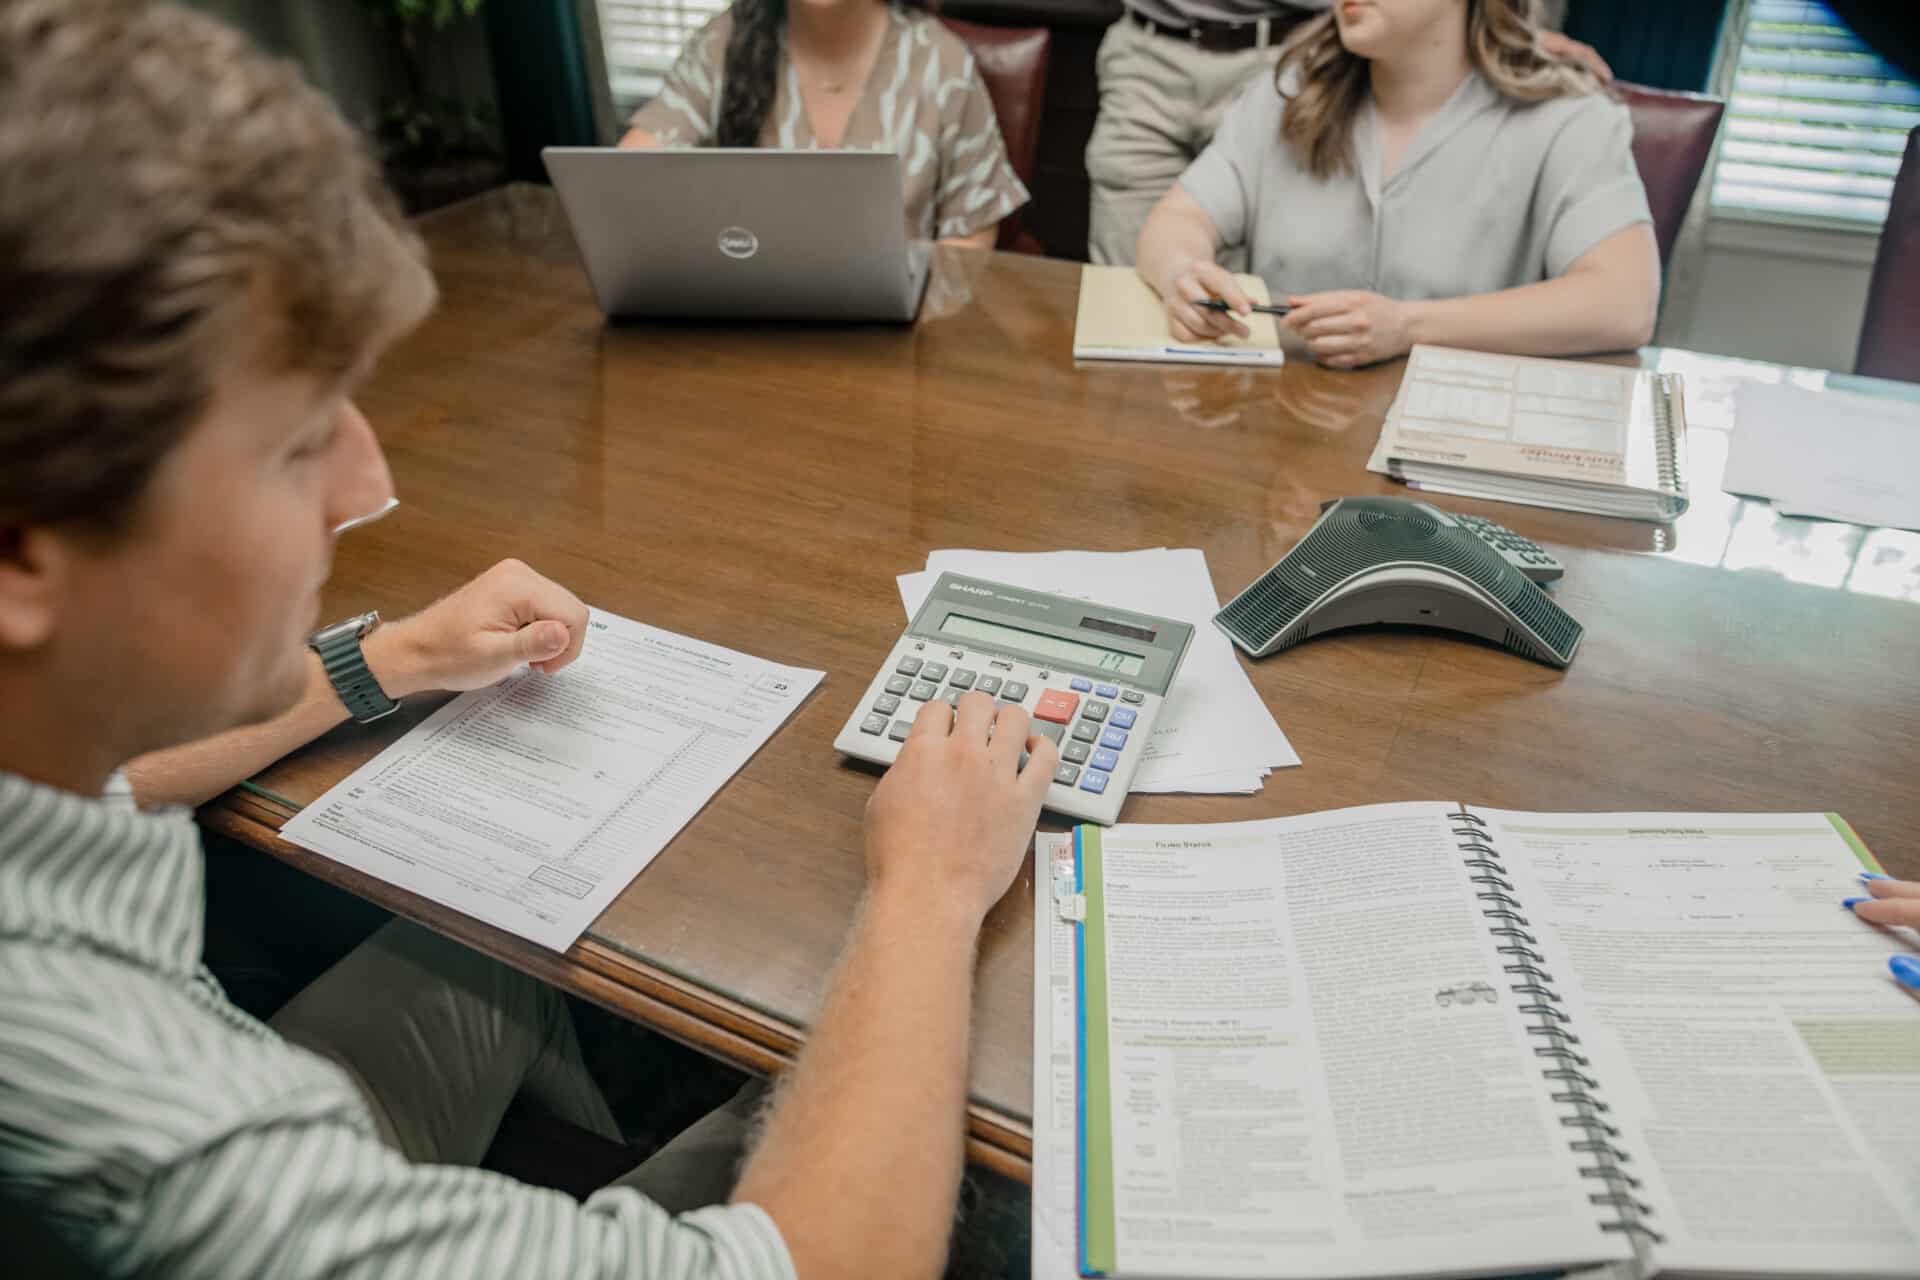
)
(1160, 101)
(440, 1038)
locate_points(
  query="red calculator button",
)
(1057, 705)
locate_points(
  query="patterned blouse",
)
(924, 100)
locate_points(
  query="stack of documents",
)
(1214, 734)
(532, 804)
(1564, 434)
(1832, 455)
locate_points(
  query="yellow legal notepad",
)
(1121, 318)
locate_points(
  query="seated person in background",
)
(1417, 171)
(200, 265)
(1168, 70)
(852, 74)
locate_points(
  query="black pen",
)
(1263, 308)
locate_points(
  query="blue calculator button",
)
(1108, 760)
(1108, 690)
(1123, 717)
(1080, 686)
(1115, 739)
(1094, 780)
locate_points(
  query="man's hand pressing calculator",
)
(1091, 678)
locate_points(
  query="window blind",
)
(642, 38)
(1816, 121)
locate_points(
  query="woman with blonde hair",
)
(1418, 171)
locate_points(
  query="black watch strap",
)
(346, 666)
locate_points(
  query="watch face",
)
(350, 628)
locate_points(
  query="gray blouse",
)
(1491, 194)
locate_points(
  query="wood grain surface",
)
(759, 486)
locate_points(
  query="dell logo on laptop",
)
(738, 242)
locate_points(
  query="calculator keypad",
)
(1088, 720)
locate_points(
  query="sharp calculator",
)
(1091, 677)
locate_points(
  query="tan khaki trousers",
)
(440, 1039)
(1160, 101)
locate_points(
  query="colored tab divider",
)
(1097, 1247)
(1854, 843)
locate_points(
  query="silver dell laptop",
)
(755, 234)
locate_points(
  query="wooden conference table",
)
(759, 486)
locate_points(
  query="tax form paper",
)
(532, 804)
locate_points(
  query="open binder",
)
(1238, 984)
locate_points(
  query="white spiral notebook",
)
(1603, 439)
(1439, 1039)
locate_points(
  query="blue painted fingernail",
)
(1873, 875)
(1906, 971)
(1851, 903)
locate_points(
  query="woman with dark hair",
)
(1417, 171)
(847, 74)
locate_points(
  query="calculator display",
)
(1090, 655)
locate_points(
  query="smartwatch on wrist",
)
(346, 666)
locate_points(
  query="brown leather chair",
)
(1672, 138)
(1013, 62)
(1890, 335)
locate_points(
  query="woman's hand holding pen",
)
(1347, 328)
(1188, 292)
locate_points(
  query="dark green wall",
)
(540, 68)
(1665, 43)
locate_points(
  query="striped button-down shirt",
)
(162, 1130)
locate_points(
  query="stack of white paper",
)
(1827, 454)
(1214, 734)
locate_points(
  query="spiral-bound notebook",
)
(1433, 1039)
(1597, 438)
